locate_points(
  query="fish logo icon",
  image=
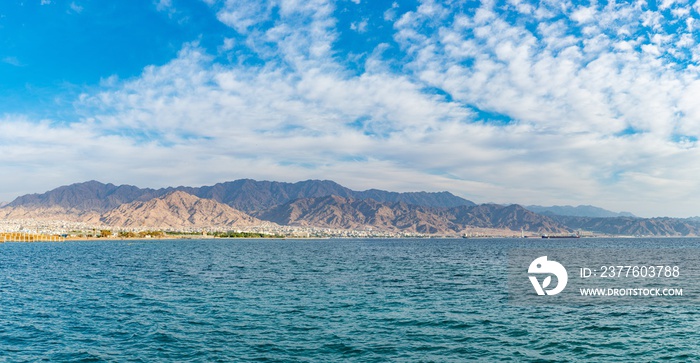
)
(542, 266)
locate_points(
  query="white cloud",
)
(228, 44)
(242, 14)
(13, 61)
(360, 27)
(167, 7)
(590, 107)
(584, 91)
(317, 124)
(391, 13)
(76, 8)
(667, 4)
(584, 15)
(163, 5)
(522, 6)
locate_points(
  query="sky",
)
(550, 102)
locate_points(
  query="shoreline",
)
(172, 238)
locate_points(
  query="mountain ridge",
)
(247, 195)
(339, 212)
(577, 211)
(87, 196)
(175, 210)
(314, 203)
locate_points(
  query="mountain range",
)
(177, 210)
(578, 211)
(245, 194)
(318, 203)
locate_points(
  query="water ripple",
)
(307, 301)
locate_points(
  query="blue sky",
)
(530, 102)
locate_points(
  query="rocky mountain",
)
(319, 203)
(344, 213)
(339, 212)
(628, 226)
(578, 211)
(253, 196)
(177, 210)
(435, 199)
(246, 195)
(88, 196)
(47, 213)
(512, 217)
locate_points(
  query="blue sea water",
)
(358, 300)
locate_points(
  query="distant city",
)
(312, 208)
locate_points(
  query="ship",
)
(562, 236)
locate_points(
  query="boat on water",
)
(561, 236)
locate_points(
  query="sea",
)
(316, 300)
